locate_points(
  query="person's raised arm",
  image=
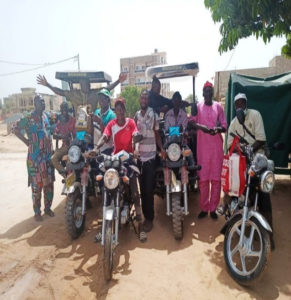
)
(122, 78)
(42, 81)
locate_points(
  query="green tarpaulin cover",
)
(272, 98)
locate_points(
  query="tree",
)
(131, 94)
(243, 18)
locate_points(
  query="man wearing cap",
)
(211, 122)
(253, 122)
(255, 136)
(122, 130)
(102, 116)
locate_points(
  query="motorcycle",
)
(77, 185)
(175, 178)
(117, 203)
(247, 232)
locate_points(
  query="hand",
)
(136, 153)
(96, 119)
(212, 131)
(41, 80)
(92, 153)
(122, 77)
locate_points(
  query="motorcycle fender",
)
(109, 214)
(72, 188)
(177, 187)
(261, 219)
(223, 229)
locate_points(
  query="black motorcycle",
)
(247, 232)
(78, 185)
(117, 202)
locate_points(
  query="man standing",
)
(65, 130)
(102, 117)
(255, 135)
(148, 125)
(211, 121)
(40, 170)
(84, 95)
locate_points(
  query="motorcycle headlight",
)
(74, 154)
(174, 152)
(260, 162)
(267, 182)
(111, 179)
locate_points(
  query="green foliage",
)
(131, 94)
(242, 18)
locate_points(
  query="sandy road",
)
(39, 260)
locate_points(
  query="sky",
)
(102, 32)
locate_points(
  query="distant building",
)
(136, 66)
(277, 65)
(21, 102)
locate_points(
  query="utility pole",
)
(78, 58)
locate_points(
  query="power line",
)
(18, 63)
(76, 57)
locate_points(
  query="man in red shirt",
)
(65, 130)
(122, 130)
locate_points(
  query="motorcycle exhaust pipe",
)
(168, 213)
(186, 212)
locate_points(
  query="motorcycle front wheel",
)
(108, 250)
(177, 216)
(74, 218)
(246, 263)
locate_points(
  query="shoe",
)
(213, 215)
(148, 225)
(49, 212)
(38, 218)
(202, 214)
(141, 233)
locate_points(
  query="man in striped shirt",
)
(148, 125)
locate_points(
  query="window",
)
(125, 69)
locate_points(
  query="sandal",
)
(141, 233)
(49, 212)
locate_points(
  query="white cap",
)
(240, 96)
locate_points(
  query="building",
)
(21, 102)
(278, 65)
(136, 66)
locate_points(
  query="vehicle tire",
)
(253, 258)
(177, 216)
(74, 218)
(108, 251)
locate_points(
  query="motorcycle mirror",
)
(240, 115)
(137, 138)
(279, 146)
(194, 109)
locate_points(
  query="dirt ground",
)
(40, 261)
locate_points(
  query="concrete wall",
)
(277, 65)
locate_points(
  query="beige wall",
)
(23, 101)
(277, 65)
